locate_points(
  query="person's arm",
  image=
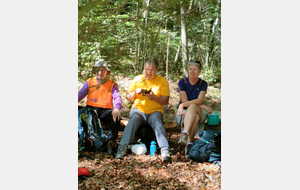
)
(83, 91)
(163, 100)
(132, 90)
(130, 96)
(117, 97)
(186, 103)
(163, 97)
(208, 109)
(116, 113)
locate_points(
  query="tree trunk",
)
(176, 60)
(184, 40)
(167, 60)
(177, 54)
(136, 67)
(146, 13)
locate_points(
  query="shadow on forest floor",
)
(147, 172)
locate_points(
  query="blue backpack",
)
(90, 132)
(208, 147)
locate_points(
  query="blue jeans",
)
(137, 119)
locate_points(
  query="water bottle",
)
(139, 149)
(152, 148)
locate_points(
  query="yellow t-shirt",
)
(159, 87)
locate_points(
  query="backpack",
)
(208, 147)
(90, 133)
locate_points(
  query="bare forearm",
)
(130, 96)
(188, 103)
(164, 100)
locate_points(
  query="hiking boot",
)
(186, 151)
(122, 151)
(165, 155)
(109, 148)
(183, 139)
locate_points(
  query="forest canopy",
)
(126, 32)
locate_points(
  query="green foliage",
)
(125, 33)
(213, 75)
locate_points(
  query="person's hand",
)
(208, 109)
(150, 96)
(138, 91)
(116, 113)
(180, 110)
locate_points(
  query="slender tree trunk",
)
(176, 58)
(137, 55)
(146, 13)
(184, 40)
(212, 44)
(177, 54)
(136, 69)
(206, 51)
(167, 60)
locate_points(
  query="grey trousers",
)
(137, 119)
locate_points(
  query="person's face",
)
(101, 72)
(150, 71)
(194, 71)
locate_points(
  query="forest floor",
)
(149, 172)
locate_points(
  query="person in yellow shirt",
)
(147, 108)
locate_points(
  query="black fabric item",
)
(146, 134)
(207, 148)
(105, 115)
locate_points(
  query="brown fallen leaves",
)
(148, 172)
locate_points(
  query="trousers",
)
(137, 119)
(105, 116)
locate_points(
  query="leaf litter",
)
(147, 172)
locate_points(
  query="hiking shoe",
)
(183, 139)
(186, 151)
(165, 155)
(122, 151)
(109, 148)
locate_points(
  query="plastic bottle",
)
(152, 148)
(139, 149)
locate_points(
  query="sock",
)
(189, 144)
(164, 148)
(185, 132)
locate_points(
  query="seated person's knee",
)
(192, 107)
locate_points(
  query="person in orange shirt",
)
(147, 108)
(101, 94)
